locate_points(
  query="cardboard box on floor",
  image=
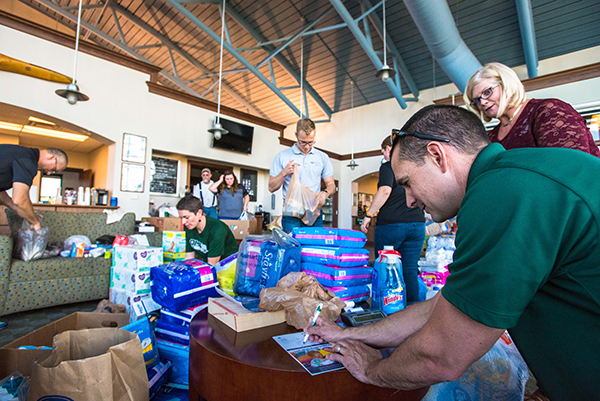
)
(241, 228)
(13, 359)
(165, 223)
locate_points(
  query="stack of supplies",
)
(337, 259)
(263, 260)
(173, 245)
(130, 275)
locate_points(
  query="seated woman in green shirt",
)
(206, 238)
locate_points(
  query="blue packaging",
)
(389, 290)
(325, 236)
(182, 318)
(158, 375)
(179, 355)
(144, 331)
(333, 276)
(172, 392)
(172, 332)
(180, 285)
(336, 256)
(262, 261)
(356, 293)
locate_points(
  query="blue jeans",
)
(211, 212)
(289, 222)
(407, 238)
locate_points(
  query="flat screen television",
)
(239, 138)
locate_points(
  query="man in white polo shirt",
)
(208, 198)
(313, 165)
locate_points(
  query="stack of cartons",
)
(130, 275)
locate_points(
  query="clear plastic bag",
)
(247, 216)
(501, 374)
(31, 244)
(300, 201)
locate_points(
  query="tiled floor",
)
(22, 323)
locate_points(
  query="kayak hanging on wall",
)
(21, 67)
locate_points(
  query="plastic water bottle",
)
(389, 291)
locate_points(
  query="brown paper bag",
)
(300, 294)
(92, 365)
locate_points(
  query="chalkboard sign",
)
(164, 180)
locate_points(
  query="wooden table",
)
(250, 366)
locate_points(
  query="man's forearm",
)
(276, 182)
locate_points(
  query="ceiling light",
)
(353, 163)
(39, 120)
(385, 73)
(10, 126)
(217, 130)
(72, 93)
(53, 133)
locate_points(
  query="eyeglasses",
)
(396, 133)
(55, 167)
(484, 95)
(303, 143)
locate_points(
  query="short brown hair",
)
(305, 125)
(190, 203)
(386, 142)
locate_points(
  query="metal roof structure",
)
(277, 52)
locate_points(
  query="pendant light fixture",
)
(217, 130)
(385, 72)
(353, 163)
(72, 93)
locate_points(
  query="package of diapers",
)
(325, 236)
(356, 293)
(332, 276)
(263, 260)
(182, 318)
(226, 273)
(179, 285)
(172, 332)
(336, 256)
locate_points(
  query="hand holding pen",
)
(314, 319)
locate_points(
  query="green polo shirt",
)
(215, 240)
(527, 259)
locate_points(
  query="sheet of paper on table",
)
(310, 355)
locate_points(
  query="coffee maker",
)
(101, 197)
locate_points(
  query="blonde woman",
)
(495, 91)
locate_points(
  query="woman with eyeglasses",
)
(495, 91)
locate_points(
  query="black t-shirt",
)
(17, 164)
(395, 210)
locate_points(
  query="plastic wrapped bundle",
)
(354, 293)
(172, 332)
(180, 285)
(263, 260)
(158, 375)
(31, 244)
(324, 236)
(333, 276)
(336, 256)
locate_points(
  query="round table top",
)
(257, 351)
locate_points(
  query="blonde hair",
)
(513, 91)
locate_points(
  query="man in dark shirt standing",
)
(397, 224)
(18, 167)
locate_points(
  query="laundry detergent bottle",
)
(389, 291)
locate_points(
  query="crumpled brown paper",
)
(300, 294)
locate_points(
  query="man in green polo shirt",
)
(206, 238)
(527, 259)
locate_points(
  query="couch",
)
(56, 281)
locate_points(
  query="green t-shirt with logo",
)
(215, 240)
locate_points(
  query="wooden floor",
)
(22, 323)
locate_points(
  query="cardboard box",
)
(165, 223)
(239, 318)
(136, 258)
(241, 228)
(13, 359)
(130, 281)
(129, 300)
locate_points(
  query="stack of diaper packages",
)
(130, 278)
(182, 289)
(337, 259)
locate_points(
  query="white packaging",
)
(137, 258)
(133, 282)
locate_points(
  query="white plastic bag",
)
(300, 201)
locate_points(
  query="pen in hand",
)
(314, 319)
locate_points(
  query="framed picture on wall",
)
(164, 176)
(132, 177)
(134, 148)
